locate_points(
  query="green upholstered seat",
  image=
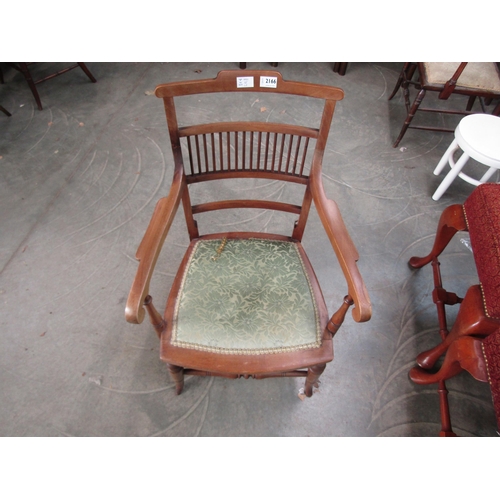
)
(253, 297)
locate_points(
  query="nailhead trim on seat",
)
(482, 214)
(491, 353)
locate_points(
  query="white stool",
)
(478, 136)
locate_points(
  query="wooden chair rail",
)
(220, 127)
(260, 204)
(247, 173)
(226, 82)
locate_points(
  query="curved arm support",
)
(451, 221)
(150, 247)
(344, 248)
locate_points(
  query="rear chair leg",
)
(409, 117)
(313, 374)
(177, 374)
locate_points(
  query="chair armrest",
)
(150, 247)
(344, 248)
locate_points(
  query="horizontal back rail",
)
(261, 204)
(220, 127)
(228, 81)
(245, 174)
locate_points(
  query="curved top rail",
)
(249, 81)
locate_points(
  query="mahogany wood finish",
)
(464, 353)
(460, 345)
(24, 69)
(241, 150)
(405, 80)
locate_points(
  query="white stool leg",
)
(444, 159)
(450, 177)
(488, 174)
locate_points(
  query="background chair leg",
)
(87, 72)
(444, 409)
(402, 77)
(470, 103)
(5, 111)
(410, 116)
(340, 68)
(26, 72)
(313, 374)
(177, 374)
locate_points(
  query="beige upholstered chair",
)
(473, 79)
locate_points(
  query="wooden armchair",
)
(246, 303)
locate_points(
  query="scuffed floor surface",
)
(79, 181)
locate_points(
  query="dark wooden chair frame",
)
(24, 69)
(2, 109)
(405, 80)
(308, 363)
(461, 346)
(338, 67)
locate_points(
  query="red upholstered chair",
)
(479, 312)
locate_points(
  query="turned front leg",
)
(313, 374)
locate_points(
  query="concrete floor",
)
(79, 181)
